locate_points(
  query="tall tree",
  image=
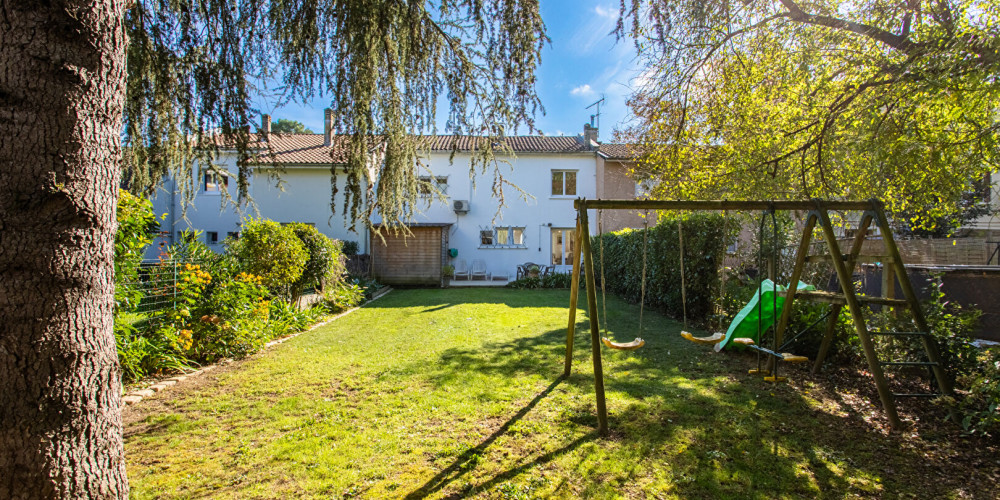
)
(830, 98)
(283, 126)
(170, 79)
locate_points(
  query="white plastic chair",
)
(478, 269)
(461, 269)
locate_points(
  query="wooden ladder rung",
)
(900, 334)
(838, 298)
(907, 363)
(885, 259)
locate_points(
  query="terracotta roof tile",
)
(308, 149)
(619, 151)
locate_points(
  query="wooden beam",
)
(854, 307)
(595, 333)
(574, 294)
(718, 205)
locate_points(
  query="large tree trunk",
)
(62, 83)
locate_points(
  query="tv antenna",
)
(598, 113)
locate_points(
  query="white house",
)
(538, 228)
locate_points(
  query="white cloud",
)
(594, 30)
(606, 12)
(583, 90)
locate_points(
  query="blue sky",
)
(581, 64)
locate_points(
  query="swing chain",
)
(645, 245)
(600, 240)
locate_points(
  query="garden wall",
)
(969, 286)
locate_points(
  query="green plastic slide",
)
(744, 325)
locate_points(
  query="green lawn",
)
(456, 392)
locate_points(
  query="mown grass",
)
(457, 392)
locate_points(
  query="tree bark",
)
(62, 90)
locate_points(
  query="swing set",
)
(843, 264)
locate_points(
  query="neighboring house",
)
(553, 171)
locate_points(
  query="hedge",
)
(704, 247)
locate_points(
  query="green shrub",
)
(704, 244)
(350, 248)
(325, 262)
(287, 319)
(272, 252)
(370, 286)
(981, 409)
(555, 280)
(233, 320)
(135, 223)
(344, 296)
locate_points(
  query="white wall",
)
(538, 214)
(304, 196)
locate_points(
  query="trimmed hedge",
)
(704, 246)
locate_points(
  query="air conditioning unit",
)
(461, 206)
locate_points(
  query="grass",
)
(456, 392)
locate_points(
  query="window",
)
(424, 186)
(211, 237)
(563, 240)
(235, 235)
(564, 183)
(213, 182)
(502, 237)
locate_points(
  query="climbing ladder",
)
(844, 264)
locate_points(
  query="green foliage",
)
(981, 409)
(448, 270)
(526, 283)
(233, 320)
(271, 251)
(193, 69)
(704, 243)
(135, 223)
(343, 297)
(832, 99)
(283, 126)
(554, 280)
(326, 259)
(350, 248)
(371, 286)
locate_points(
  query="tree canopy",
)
(826, 98)
(283, 126)
(195, 66)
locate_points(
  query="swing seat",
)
(713, 339)
(788, 357)
(627, 346)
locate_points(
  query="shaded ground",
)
(453, 393)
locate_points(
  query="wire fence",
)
(157, 283)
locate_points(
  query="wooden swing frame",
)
(818, 215)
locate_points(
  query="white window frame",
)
(440, 182)
(215, 189)
(566, 254)
(507, 234)
(576, 183)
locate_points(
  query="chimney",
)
(265, 127)
(589, 136)
(327, 127)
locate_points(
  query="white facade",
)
(535, 226)
(531, 227)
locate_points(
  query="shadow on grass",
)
(691, 414)
(465, 461)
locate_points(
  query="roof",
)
(619, 151)
(308, 149)
(518, 143)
